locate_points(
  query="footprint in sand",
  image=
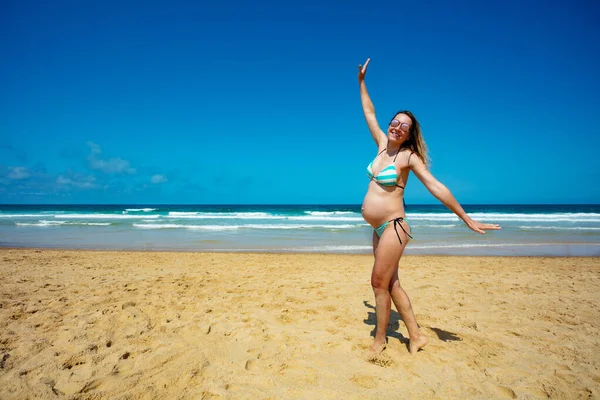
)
(365, 381)
(285, 318)
(73, 361)
(73, 381)
(124, 365)
(92, 348)
(128, 304)
(252, 365)
(95, 384)
(381, 360)
(503, 392)
(206, 395)
(3, 361)
(132, 319)
(205, 328)
(300, 373)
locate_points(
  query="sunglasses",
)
(403, 126)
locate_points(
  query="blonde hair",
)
(415, 142)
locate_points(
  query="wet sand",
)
(145, 325)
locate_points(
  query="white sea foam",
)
(323, 218)
(62, 223)
(139, 210)
(180, 226)
(105, 216)
(254, 214)
(227, 215)
(181, 213)
(221, 214)
(40, 223)
(490, 217)
(19, 215)
(562, 228)
(304, 226)
(320, 213)
(246, 226)
(436, 225)
(312, 216)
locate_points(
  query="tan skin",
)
(382, 204)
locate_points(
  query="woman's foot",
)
(416, 344)
(377, 347)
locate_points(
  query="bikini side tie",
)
(398, 221)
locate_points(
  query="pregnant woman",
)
(400, 149)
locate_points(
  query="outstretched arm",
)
(367, 105)
(441, 192)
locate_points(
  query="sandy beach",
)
(146, 325)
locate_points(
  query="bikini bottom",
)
(397, 222)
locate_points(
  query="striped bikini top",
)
(387, 176)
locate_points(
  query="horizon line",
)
(286, 204)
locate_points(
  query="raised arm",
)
(367, 106)
(441, 192)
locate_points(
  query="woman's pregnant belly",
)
(380, 206)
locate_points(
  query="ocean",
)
(527, 230)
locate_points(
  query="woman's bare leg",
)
(387, 251)
(402, 303)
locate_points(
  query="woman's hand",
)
(362, 71)
(481, 227)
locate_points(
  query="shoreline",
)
(408, 253)
(275, 253)
(103, 324)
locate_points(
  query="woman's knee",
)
(381, 278)
(379, 282)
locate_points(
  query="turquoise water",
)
(559, 230)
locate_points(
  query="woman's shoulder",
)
(406, 156)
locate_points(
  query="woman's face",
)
(399, 129)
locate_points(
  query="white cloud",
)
(113, 165)
(94, 147)
(18, 173)
(78, 181)
(61, 180)
(159, 179)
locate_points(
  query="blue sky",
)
(258, 102)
